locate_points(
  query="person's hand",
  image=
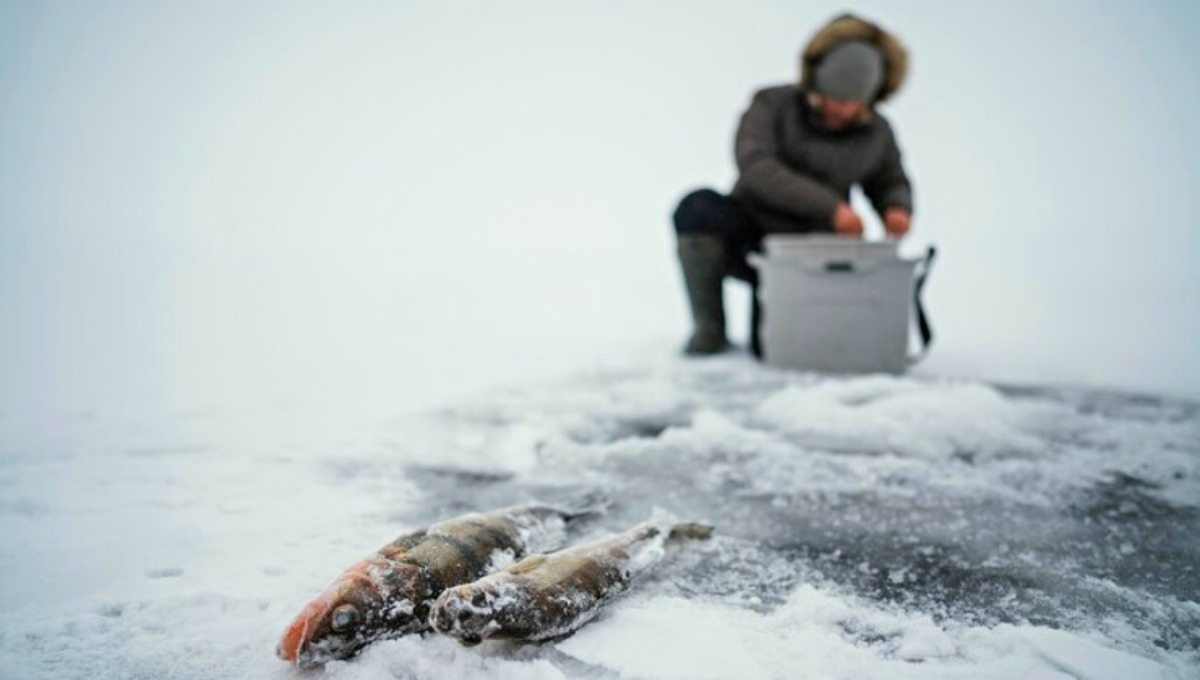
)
(845, 222)
(896, 221)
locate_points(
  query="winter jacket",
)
(793, 172)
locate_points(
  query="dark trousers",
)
(705, 211)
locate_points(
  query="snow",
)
(825, 636)
(965, 530)
(915, 422)
(670, 638)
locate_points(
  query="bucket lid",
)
(826, 252)
(783, 244)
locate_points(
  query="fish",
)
(549, 596)
(388, 594)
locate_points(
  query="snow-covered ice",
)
(914, 527)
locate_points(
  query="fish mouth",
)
(296, 645)
(296, 639)
(299, 647)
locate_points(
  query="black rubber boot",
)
(702, 259)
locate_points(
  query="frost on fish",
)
(501, 559)
(541, 534)
(547, 596)
(389, 593)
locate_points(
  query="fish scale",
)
(547, 596)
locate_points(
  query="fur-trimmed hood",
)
(849, 27)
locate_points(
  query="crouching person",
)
(800, 148)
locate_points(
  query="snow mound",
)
(822, 635)
(894, 415)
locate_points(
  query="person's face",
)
(838, 114)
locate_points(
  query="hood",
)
(850, 27)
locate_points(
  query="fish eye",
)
(345, 617)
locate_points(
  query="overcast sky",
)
(200, 200)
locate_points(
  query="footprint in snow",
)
(167, 572)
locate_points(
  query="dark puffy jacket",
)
(793, 172)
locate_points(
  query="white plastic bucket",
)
(838, 305)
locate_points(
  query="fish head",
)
(370, 601)
(469, 613)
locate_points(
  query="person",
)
(800, 148)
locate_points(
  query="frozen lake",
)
(866, 527)
(204, 206)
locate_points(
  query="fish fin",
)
(592, 504)
(528, 564)
(402, 544)
(690, 531)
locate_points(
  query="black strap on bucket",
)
(923, 326)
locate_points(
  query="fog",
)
(209, 202)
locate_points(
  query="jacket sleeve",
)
(763, 174)
(888, 186)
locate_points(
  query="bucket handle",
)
(923, 327)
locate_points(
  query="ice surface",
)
(865, 527)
